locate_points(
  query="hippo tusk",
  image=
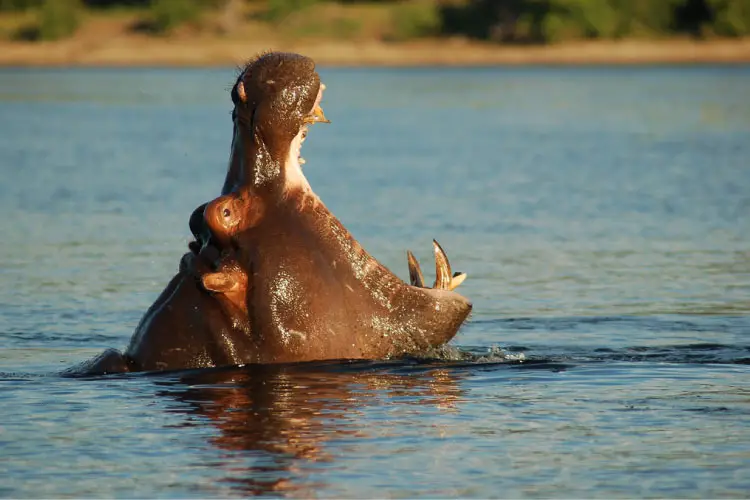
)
(445, 279)
(316, 116)
(458, 278)
(443, 274)
(415, 273)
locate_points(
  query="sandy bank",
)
(135, 50)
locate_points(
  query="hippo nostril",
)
(226, 212)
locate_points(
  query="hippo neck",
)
(252, 163)
(234, 171)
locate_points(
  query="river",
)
(602, 215)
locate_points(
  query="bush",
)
(56, 19)
(556, 20)
(278, 10)
(345, 28)
(18, 5)
(415, 19)
(646, 17)
(730, 17)
(166, 15)
(607, 18)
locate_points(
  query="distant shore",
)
(138, 50)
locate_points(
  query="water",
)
(603, 218)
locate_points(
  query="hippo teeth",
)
(301, 160)
(445, 279)
(415, 273)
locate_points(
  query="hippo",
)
(273, 276)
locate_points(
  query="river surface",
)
(603, 218)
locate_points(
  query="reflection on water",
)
(601, 215)
(277, 421)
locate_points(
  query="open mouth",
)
(303, 134)
(315, 116)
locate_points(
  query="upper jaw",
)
(315, 116)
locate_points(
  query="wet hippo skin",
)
(273, 276)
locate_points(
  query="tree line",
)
(555, 20)
(507, 21)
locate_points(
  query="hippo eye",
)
(226, 212)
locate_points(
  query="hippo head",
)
(312, 291)
(275, 98)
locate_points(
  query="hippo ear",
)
(217, 282)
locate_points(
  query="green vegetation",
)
(278, 10)
(526, 21)
(55, 19)
(166, 15)
(415, 19)
(508, 21)
(730, 17)
(15, 5)
(59, 18)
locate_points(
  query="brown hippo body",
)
(273, 275)
(189, 326)
(198, 321)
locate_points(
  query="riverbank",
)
(143, 51)
(134, 50)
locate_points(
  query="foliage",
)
(278, 10)
(555, 20)
(55, 19)
(514, 21)
(105, 4)
(21, 5)
(731, 17)
(18, 5)
(414, 19)
(317, 26)
(607, 18)
(345, 28)
(166, 15)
